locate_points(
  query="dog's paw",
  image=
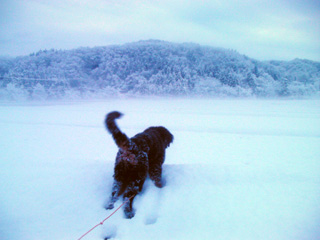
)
(109, 206)
(129, 213)
(160, 184)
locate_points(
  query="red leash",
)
(106, 218)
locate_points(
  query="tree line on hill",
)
(153, 68)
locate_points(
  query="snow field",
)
(237, 169)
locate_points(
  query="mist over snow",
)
(237, 169)
(153, 68)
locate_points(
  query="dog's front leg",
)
(116, 191)
(132, 190)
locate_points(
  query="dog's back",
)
(158, 138)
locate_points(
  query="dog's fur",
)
(137, 157)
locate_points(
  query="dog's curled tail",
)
(119, 137)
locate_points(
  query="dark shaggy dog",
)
(142, 154)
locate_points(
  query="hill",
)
(153, 68)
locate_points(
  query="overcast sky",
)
(265, 29)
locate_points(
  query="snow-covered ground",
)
(238, 169)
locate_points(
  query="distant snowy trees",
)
(153, 68)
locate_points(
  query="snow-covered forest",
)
(153, 68)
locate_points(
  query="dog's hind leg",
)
(117, 190)
(155, 174)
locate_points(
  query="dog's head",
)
(133, 153)
(166, 136)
